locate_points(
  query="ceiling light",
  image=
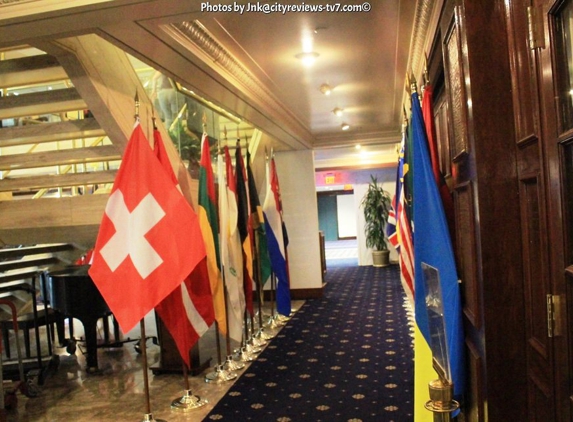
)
(338, 111)
(345, 126)
(307, 58)
(358, 146)
(325, 89)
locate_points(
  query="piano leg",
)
(90, 332)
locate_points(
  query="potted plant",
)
(376, 204)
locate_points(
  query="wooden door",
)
(483, 159)
(508, 69)
(557, 127)
(532, 175)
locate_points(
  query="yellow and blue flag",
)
(432, 247)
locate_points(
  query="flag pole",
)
(262, 336)
(273, 320)
(251, 344)
(188, 401)
(222, 371)
(259, 338)
(148, 417)
(231, 363)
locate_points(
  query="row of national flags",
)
(154, 251)
(420, 228)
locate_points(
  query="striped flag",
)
(432, 247)
(274, 228)
(187, 312)
(402, 239)
(208, 221)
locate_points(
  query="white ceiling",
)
(362, 56)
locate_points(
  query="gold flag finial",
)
(204, 121)
(225, 133)
(136, 100)
(413, 84)
(426, 75)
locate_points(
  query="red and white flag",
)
(147, 241)
(187, 312)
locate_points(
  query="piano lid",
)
(71, 271)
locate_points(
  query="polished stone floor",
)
(69, 393)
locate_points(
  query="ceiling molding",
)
(217, 56)
(351, 139)
(420, 34)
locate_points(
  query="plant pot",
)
(380, 258)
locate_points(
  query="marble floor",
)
(117, 393)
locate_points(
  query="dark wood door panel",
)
(536, 277)
(541, 400)
(457, 94)
(523, 68)
(466, 251)
(475, 408)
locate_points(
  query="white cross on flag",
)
(146, 245)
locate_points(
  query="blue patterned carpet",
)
(345, 357)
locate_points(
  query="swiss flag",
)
(146, 245)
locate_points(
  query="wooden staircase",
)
(53, 164)
(66, 115)
(53, 161)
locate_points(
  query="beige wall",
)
(296, 177)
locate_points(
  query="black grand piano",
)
(72, 292)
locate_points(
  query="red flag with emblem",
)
(148, 240)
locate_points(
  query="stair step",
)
(57, 180)
(27, 263)
(50, 132)
(30, 71)
(40, 103)
(62, 157)
(8, 253)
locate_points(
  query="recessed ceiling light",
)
(338, 111)
(325, 89)
(345, 126)
(358, 146)
(307, 58)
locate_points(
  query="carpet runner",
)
(345, 357)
